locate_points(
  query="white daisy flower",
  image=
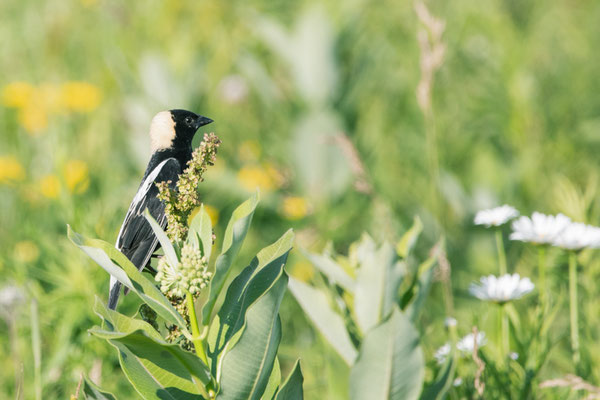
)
(464, 345)
(441, 353)
(540, 228)
(500, 290)
(496, 216)
(576, 236)
(467, 343)
(10, 296)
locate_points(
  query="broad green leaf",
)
(160, 370)
(117, 322)
(407, 242)
(146, 344)
(390, 364)
(443, 382)
(247, 288)
(236, 231)
(292, 387)
(274, 382)
(91, 391)
(377, 285)
(426, 271)
(331, 325)
(395, 273)
(247, 366)
(103, 253)
(420, 276)
(162, 238)
(332, 270)
(362, 248)
(200, 232)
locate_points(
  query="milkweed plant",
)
(367, 304)
(180, 345)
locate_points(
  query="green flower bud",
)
(189, 274)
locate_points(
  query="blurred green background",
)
(316, 105)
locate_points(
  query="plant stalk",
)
(501, 252)
(198, 344)
(505, 333)
(37, 349)
(573, 306)
(542, 275)
(434, 167)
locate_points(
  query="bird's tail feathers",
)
(114, 292)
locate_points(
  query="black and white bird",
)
(171, 134)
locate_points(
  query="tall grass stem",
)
(501, 252)
(573, 306)
(542, 275)
(36, 346)
(505, 333)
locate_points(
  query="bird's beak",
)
(201, 121)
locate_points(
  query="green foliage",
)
(437, 390)
(369, 320)
(91, 391)
(291, 389)
(316, 305)
(103, 254)
(242, 340)
(236, 231)
(390, 363)
(515, 106)
(201, 223)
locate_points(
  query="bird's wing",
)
(136, 239)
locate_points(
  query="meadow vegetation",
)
(362, 125)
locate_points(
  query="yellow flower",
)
(33, 118)
(80, 96)
(17, 94)
(36, 103)
(303, 271)
(26, 251)
(212, 212)
(76, 175)
(11, 170)
(50, 186)
(252, 176)
(295, 207)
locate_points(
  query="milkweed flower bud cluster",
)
(181, 202)
(190, 274)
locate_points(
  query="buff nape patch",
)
(162, 131)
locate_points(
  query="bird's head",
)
(175, 129)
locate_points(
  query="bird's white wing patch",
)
(135, 208)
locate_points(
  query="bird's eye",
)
(188, 120)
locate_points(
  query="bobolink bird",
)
(171, 134)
